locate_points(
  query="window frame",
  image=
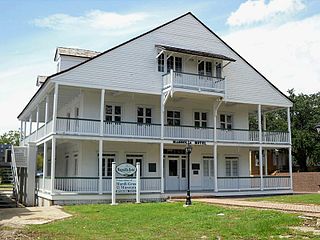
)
(173, 117)
(160, 62)
(144, 116)
(174, 63)
(200, 120)
(231, 161)
(113, 110)
(225, 122)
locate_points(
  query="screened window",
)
(144, 115)
(161, 63)
(232, 167)
(225, 121)
(173, 118)
(113, 113)
(200, 119)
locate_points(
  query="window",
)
(225, 121)
(232, 166)
(75, 157)
(208, 166)
(113, 113)
(174, 63)
(173, 118)
(133, 159)
(107, 160)
(183, 168)
(218, 70)
(144, 115)
(200, 119)
(68, 122)
(205, 68)
(161, 63)
(152, 167)
(67, 164)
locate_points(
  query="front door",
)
(208, 173)
(176, 172)
(195, 176)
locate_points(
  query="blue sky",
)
(281, 38)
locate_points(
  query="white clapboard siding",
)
(132, 66)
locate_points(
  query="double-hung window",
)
(144, 115)
(174, 63)
(200, 119)
(161, 63)
(232, 168)
(113, 113)
(173, 118)
(133, 159)
(107, 159)
(205, 68)
(225, 121)
(218, 70)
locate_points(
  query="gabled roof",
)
(195, 52)
(139, 36)
(75, 52)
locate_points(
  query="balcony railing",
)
(188, 132)
(192, 81)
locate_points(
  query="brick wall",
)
(305, 181)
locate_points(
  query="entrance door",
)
(208, 173)
(195, 176)
(173, 181)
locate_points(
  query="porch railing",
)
(77, 126)
(238, 183)
(276, 182)
(275, 137)
(194, 82)
(188, 132)
(237, 135)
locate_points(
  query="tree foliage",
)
(11, 137)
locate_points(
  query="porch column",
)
(102, 110)
(161, 143)
(215, 167)
(260, 147)
(21, 129)
(290, 148)
(44, 166)
(215, 146)
(37, 120)
(265, 151)
(55, 106)
(30, 124)
(100, 165)
(25, 129)
(53, 163)
(46, 114)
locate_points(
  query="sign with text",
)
(192, 142)
(126, 185)
(126, 169)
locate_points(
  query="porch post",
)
(21, 129)
(290, 148)
(260, 147)
(30, 124)
(25, 129)
(215, 167)
(102, 110)
(37, 120)
(55, 106)
(44, 166)
(46, 114)
(265, 151)
(53, 163)
(100, 165)
(161, 143)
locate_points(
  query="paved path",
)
(18, 217)
(309, 210)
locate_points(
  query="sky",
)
(281, 38)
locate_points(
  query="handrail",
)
(195, 74)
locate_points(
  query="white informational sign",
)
(126, 185)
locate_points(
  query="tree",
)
(11, 137)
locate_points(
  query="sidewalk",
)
(309, 210)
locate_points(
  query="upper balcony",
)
(189, 82)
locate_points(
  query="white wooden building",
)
(140, 102)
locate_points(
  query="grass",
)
(167, 221)
(313, 198)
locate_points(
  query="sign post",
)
(138, 183)
(113, 184)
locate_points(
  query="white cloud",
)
(286, 54)
(92, 21)
(254, 11)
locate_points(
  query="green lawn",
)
(313, 198)
(167, 221)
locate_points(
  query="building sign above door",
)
(126, 169)
(192, 142)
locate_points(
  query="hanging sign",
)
(126, 169)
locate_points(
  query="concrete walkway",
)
(309, 210)
(18, 217)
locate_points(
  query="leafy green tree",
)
(11, 137)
